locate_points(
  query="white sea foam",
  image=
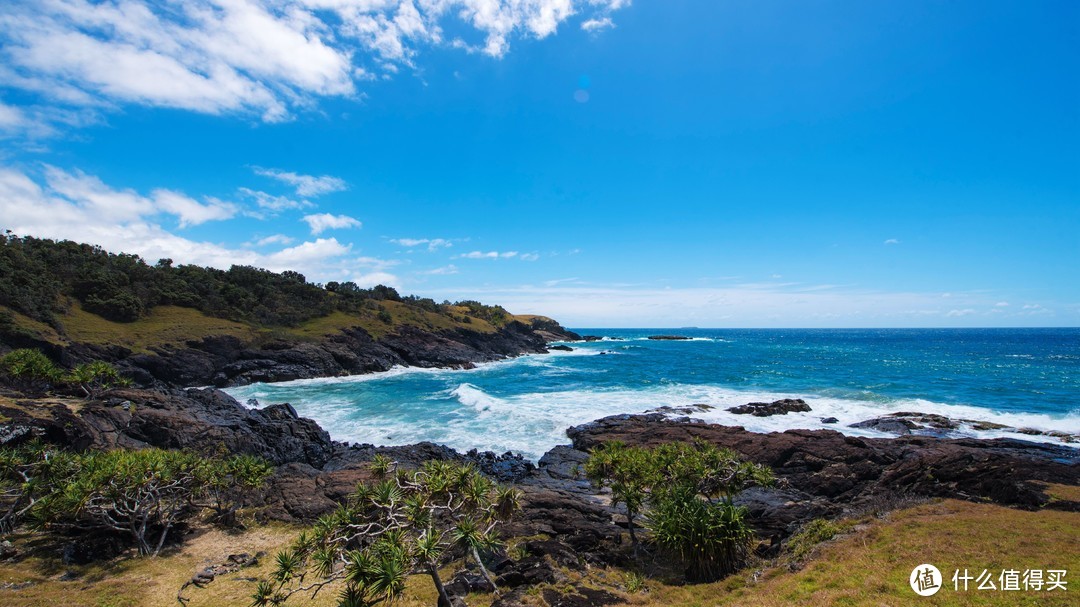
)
(464, 416)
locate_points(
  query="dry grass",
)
(871, 565)
(867, 566)
(154, 582)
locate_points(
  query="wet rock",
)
(561, 348)
(668, 337)
(777, 407)
(684, 410)
(887, 424)
(829, 420)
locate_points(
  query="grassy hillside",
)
(64, 292)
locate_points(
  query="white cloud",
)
(367, 281)
(957, 313)
(1002, 304)
(306, 254)
(72, 205)
(320, 222)
(432, 244)
(275, 239)
(306, 185)
(442, 271)
(274, 204)
(191, 212)
(264, 58)
(11, 118)
(530, 256)
(488, 255)
(596, 25)
(892, 241)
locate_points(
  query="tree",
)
(26, 475)
(409, 522)
(688, 491)
(140, 493)
(625, 471)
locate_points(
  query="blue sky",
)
(608, 163)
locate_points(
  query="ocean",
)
(1023, 378)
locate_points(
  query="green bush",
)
(30, 366)
(685, 492)
(141, 494)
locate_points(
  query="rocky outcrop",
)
(931, 424)
(224, 361)
(777, 407)
(848, 471)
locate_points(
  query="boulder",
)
(777, 407)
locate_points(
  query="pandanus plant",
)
(685, 492)
(409, 522)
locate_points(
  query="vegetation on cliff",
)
(49, 285)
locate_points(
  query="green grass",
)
(167, 326)
(164, 325)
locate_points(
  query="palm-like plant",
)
(686, 491)
(409, 522)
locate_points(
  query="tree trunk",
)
(483, 570)
(444, 599)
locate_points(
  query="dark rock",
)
(685, 410)
(465, 582)
(579, 596)
(668, 337)
(777, 407)
(202, 420)
(847, 470)
(829, 420)
(561, 348)
(887, 424)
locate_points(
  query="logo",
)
(925, 580)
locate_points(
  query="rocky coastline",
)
(821, 473)
(225, 361)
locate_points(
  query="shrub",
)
(94, 377)
(686, 492)
(142, 494)
(410, 522)
(30, 367)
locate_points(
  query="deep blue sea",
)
(1018, 377)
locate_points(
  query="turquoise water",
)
(1018, 377)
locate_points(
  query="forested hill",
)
(66, 295)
